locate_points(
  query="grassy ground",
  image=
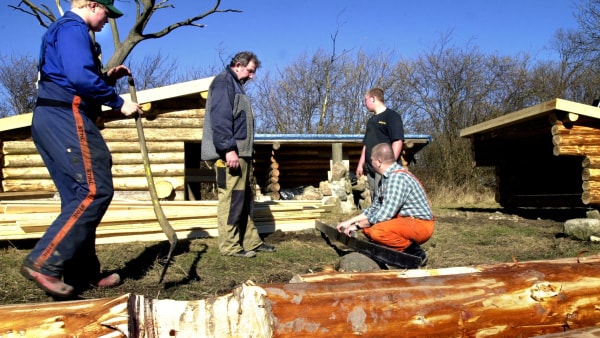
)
(463, 236)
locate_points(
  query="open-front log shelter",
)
(173, 129)
(547, 155)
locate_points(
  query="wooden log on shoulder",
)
(521, 299)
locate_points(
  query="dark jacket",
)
(228, 120)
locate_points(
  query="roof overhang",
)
(530, 113)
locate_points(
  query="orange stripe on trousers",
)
(89, 174)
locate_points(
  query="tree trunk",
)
(502, 300)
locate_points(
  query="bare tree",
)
(17, 84)
(305, 99)
(145, 9)
(152, 71)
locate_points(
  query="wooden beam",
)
(530, 113)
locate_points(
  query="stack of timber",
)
(297, 165)
(165, 131)
(127, 221)
(524, 299)
(575, 135)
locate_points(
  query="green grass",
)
(462, 237)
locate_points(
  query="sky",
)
(280, 31)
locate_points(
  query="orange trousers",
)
(398, 232)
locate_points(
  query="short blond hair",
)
(80, 3)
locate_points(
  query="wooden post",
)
(336, 152)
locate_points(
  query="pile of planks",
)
(128, 221)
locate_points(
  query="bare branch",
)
(187, 22)
(144, 11)
(42, 13)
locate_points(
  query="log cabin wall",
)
(166, 134)
(173, 131)
(547, 155)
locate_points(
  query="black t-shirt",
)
(385, 127)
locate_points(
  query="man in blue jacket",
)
(228, 143)
(71, 90)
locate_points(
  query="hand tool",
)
(377, 252)
(160, 215)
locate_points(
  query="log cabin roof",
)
(183, 90)
(412, 142)
(530, 113)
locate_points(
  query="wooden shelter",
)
(173, 129)
(547, 155)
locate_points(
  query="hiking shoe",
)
(244, 253)
(109, 281)
(416, 250)
(51, 285)
(265, 248)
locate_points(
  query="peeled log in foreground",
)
(504, 300)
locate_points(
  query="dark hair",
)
(244, 59)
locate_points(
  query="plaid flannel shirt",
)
(400, 192)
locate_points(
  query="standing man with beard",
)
(228, 143)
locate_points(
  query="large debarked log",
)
(503, 300)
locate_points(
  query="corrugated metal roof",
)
(326, 138)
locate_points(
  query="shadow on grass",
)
(137, 268)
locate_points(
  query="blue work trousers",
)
(79, 163)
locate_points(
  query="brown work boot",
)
(52, 285)
(109, 281)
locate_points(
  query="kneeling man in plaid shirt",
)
(400, 217)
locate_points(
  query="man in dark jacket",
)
(228, 143)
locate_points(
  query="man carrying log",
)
(400, 217)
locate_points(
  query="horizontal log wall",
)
(580, 136)
(166, 131)
(292, 165)
(568, 174)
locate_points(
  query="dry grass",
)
(475, 233)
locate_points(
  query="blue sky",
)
(279, 31)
